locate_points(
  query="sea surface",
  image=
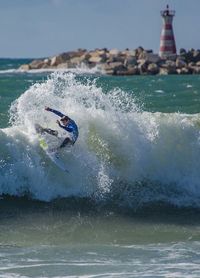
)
(130, 206)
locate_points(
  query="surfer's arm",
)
(68, 128)
(58, 113)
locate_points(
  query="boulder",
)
(191, 64)
(76, 61)
(163, 71)
(130, 61)
(111, 58)
(24, 67)
(152, 58)
(142, 66)
(36, 64)
(129, 53)
(132, 70)
(139, 51)
(95, 59)
(183, 70)
(180, 63)
(196, 70)
(196, 56)
(114, 52)
(65, 65)
(182, 51)
(66, 56)
(113, 67)
(153, 68)
(56, 60)
(170, 66)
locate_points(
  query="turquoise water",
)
(130, 205)
(167, 94)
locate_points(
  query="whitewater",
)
(130, 205)
(124, 154)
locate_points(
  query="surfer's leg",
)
(66, 142)
(50, 131)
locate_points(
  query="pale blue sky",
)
(38, 28)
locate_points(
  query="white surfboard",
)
(52, 154)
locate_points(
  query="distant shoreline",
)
(115, 62)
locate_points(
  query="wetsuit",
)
(70, 127)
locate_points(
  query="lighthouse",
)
(167, 41)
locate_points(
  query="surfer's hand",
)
(47, 108)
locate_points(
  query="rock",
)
(153, 58)
(63, 57)
(130, 61)
(170, 66)
(122, 71)
(56, 60)
(47, 61)
(142, 55)
(150, 57)
(182, 51)
(115, 58)
(67, 56)
(191, 64)
(183, 70)
(95, 59)
(36, 64)
(127, 62)
(129, 53)
(196, 70)
(196, 56)
(133, 70)
(142, 66)
(163, 71)
(45, 66)
(139, 51)
(114, 52)
(180, 63)
(153, 68)
(24, 67)
(76, 61)
(66, 65)
(97, 56)
(113, 67)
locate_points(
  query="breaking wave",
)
(123, 154)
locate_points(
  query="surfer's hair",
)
(64, 118)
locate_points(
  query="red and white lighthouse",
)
(167, 41)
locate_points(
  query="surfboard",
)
(45, 145)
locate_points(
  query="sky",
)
(41, 28)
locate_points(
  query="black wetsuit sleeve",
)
(56, 112)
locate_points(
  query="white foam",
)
(155, 154)
(78, 70)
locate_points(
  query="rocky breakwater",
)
(128, 62)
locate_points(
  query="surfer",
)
(67, 124)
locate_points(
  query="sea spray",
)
(123, 153)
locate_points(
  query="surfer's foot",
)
(50, 131)
(39, 129)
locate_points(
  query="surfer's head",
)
(64, 119)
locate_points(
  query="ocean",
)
(130, 206)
